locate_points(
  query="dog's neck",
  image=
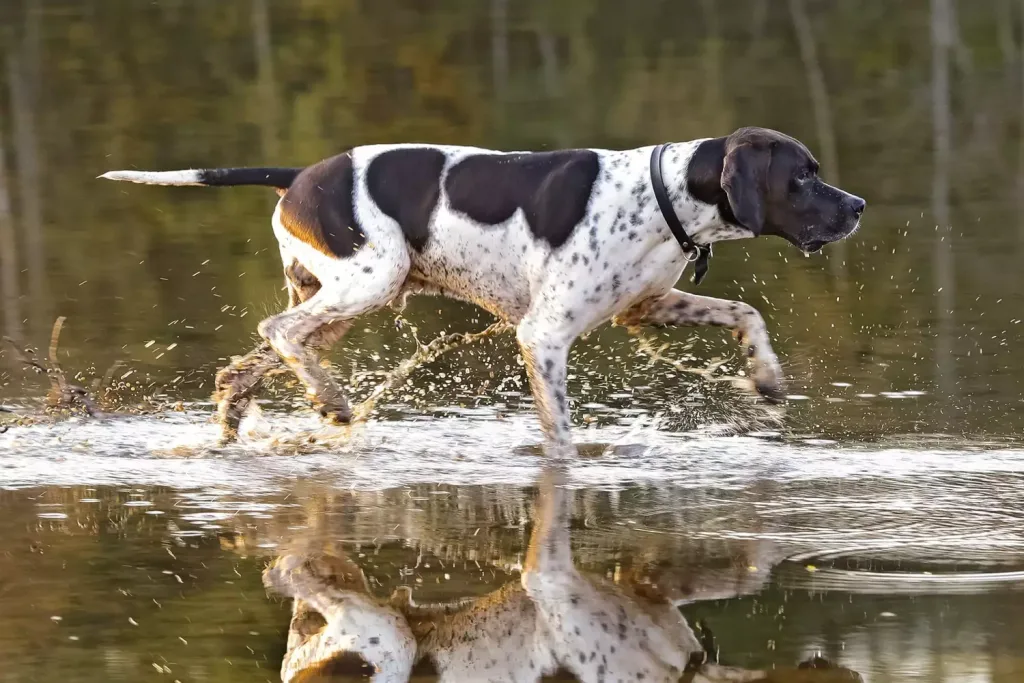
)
(692, 171)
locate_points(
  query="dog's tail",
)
(280, 178)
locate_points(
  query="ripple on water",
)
(906, 515)
(880, 571)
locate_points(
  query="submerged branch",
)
(63, 395)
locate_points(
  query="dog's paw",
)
(230, 412)
(768, 379)
(336, 415)
(331, 403)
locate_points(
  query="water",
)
(879, 509)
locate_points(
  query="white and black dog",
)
(555, 243)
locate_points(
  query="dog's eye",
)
(804, 175)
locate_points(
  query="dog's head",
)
(767, 183)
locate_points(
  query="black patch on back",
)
(704, 177)
(318, 208)
(405, 184)
(552, 188)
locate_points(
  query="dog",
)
(553, 621)
(555, 243)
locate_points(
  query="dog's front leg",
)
(546, 351)
(681, 308)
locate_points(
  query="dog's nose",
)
(856, 205)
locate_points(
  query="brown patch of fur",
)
(318, 208)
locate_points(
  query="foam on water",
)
(180, 450)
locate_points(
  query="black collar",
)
(696, 254)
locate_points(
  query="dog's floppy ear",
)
(744, 176)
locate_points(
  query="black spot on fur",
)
(638, 189)
(318, 208)
(405, 183)
(704, 177)
(552, 188)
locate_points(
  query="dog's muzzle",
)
(851, 209)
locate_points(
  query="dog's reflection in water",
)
(553, 624)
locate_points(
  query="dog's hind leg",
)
(238, 383)
(317, 322)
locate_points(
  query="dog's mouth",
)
(815, 244)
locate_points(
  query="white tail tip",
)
(189, 177)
